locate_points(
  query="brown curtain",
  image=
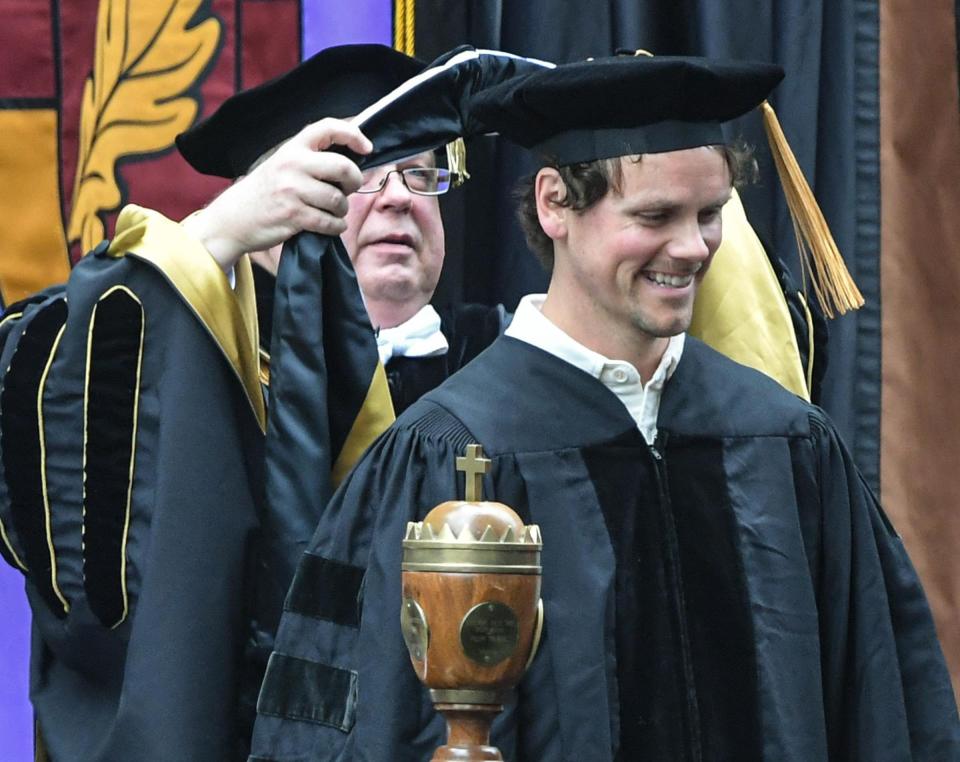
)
(920, 284)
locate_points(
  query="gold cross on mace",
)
(474, 466)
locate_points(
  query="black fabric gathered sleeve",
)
(887, 692)
(340, 685)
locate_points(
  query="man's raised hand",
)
(300, 186)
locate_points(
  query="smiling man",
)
(626, 267)
(718, 581)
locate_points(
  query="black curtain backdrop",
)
(828, 106)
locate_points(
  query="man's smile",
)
(671, 279)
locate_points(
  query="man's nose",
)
(689, 243)
(395, 193)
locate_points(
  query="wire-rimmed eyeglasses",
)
(424, 181)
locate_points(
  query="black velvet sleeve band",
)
(326, 589)
(112, 395)
(309, 691)
(21, 425)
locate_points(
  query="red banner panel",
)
(271, 39)
(27, 67)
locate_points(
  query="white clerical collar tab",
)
(420, 336)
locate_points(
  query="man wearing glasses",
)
(395, 240)
(178, 558)
(391, 225)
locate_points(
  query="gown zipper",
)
(692, 718)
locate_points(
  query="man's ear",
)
(549, 190)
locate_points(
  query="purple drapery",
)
(16, 717)
(325, 23)
(328, 23)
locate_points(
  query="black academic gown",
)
(734, 593)
(131, 440)
(468, 328)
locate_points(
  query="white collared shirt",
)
(420, 336)
(622, 378)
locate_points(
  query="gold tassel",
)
(403, 25)
(457, 162)
(819, 256)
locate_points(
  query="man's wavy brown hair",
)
(588, 182)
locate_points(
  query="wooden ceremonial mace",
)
(471, 612)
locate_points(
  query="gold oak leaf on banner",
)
(136, 99)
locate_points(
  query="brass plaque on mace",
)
(489, 633)
(416, 632)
